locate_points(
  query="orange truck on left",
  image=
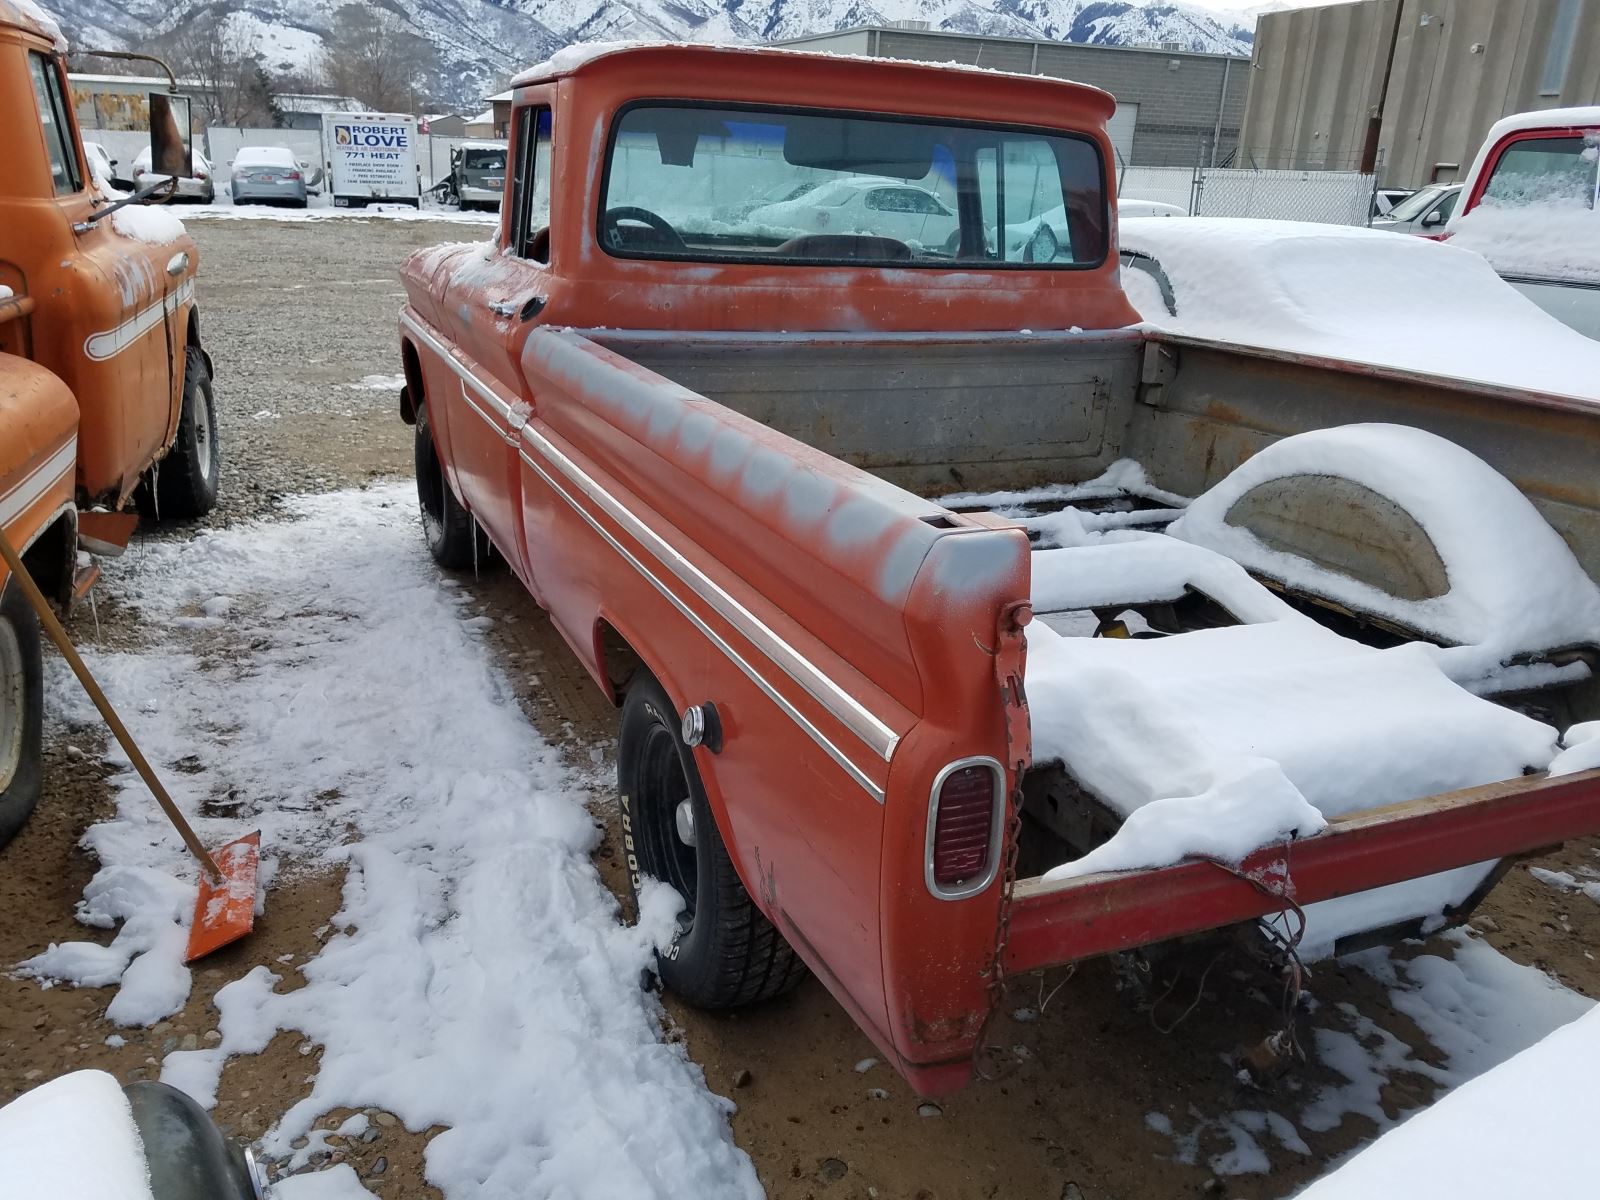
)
(106, 402)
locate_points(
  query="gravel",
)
(293, 313)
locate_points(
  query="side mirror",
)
(1434, 218)
(170, 150)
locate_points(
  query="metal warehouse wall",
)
(1186, 103)
(1318, 79)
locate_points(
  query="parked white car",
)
(1129, 207)
(1423, 213)
(200, 187)
(101, 167)
(880, 207)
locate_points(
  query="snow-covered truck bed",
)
(961, 625)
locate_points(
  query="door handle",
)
(178, 263)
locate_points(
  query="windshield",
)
(699, 183)
(484, 160)
(1415, 205)
(1553, 170)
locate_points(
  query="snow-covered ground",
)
(321, 208)
(1475, 1006)
(336, 694)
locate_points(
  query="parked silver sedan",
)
(268, 175)
(1423, 213)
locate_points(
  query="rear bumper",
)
(1057, 923)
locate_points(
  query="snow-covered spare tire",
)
(1411, 530)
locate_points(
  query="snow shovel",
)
(226, 908)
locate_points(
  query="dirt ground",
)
(293, 314)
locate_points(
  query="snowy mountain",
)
(482, 42)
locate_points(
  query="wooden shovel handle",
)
(58, 635)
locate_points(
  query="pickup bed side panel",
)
(628, 484)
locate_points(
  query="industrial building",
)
(1174, 107)
(1411, 87)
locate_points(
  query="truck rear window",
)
(701, 183)
(1552, 170)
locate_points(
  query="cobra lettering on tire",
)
(725, 952)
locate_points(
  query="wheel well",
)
(413, 392)
(619, 661)
(52, 559)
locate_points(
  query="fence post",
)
(1197, 185)
(1377, 174)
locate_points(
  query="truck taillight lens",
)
(964, 834)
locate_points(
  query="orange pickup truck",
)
(105, 389)
(804, 394)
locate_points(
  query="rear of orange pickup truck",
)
(728, 338)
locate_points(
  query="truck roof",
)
(1585, 117)
(691, 56)
(30, 18)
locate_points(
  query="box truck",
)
(371, 157)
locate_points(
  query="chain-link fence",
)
(1338, 193)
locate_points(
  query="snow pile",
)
(1474, 1009)
(72, 1137)
(1542, 241)
(478, 976)
(148, 223)
(1514, 586)
(378, 383)
(1580, 749)
(1216, 742)
(1524, 1128)
(1353, 294)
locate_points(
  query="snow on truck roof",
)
(574, 58)
(1583, 117)
(26, 15)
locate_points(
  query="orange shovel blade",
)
(226, 908)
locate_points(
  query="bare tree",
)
(224, 63)
(375, 55)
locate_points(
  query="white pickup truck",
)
(1530, 210)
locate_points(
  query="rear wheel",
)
(725, 953)
(184, 484)
(21, 711)
(453, 537)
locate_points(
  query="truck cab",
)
(1529, 207)
(105, 388)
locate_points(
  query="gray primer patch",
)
(900, 567)
(695, 430)
(766, 473)
(808, 497)
(858, 521)
(729, 449)
(971, 562)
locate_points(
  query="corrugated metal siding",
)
(1318, 75)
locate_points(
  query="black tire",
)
(725, 953)
(185, 481)
(21, 711)
(453, 537)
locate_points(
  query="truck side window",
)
(58, 141)
(530, 186)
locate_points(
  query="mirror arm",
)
(131, 56)
(139, 197)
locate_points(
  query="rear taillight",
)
(964, 817)
(199, 174)
(292, 175)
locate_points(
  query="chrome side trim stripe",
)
(807, 674)
(850, 711)
(101, 346)
(27, 490)
(856, 773)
